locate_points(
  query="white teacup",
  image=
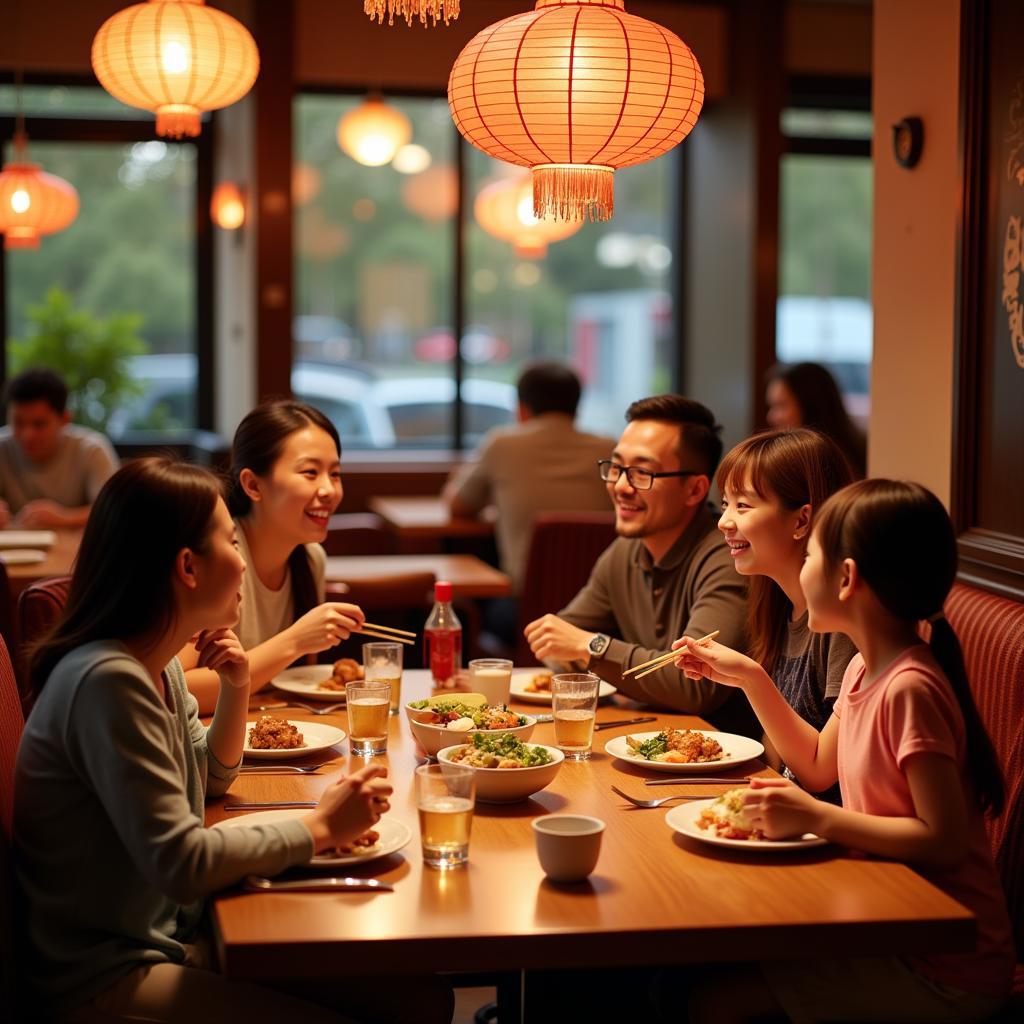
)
(568, 845)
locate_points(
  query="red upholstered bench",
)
(991, 633)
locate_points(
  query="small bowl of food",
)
(506, 768)
(449, 720)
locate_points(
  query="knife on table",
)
(255, 883)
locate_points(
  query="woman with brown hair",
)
(114, 766)
(285, 485)
(772, 484)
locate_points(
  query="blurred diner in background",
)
(511, 510)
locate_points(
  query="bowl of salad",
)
(443, 721)
(506, 768)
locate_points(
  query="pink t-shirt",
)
(911, 709)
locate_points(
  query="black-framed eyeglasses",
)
(637, 478)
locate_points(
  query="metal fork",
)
(277, 768)
(655, 803)
(322, 710)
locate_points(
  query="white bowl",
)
(433, 738)
(507, 785)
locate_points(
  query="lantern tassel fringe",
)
(176, 122)
(573, 192)
(448, 10)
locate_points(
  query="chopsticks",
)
(397, 636)
(663, 659)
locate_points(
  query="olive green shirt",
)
(693, 590)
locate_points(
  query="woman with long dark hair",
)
(909, 749)
(806, 395)
(285, 485)
(772, 486)
(114, 766)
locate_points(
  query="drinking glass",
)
(574, 704)
(444, 799)
(368, 707)
(382, 663)
(492, 677)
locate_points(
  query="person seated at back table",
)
(541, 464)
(669, 565)
(50, 469)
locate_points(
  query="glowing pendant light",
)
(574, 90)
(227, 206)
(448, 10)
(504, 209)
(32, 202)
(177, 58)
(374, 132)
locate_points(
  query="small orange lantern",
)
(574, 90)
(448, 10)
(32, 202)
(373, 133)
(432, 194)
(227, 206)
(177, 58)
(504, 209)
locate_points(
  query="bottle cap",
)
(442, 591)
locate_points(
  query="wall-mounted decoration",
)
(988, 481)
(908, 141)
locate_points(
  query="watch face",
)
(598, 644)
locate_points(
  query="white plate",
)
(305, 681)
(22, 556)
(393, 836)
(683, 819)
(735, 750)
(318, 736)
(27, 538)
(518, 689)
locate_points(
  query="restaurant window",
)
(127, 264)
(378, 302)
(824, 312)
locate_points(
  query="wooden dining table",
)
(58, 560)
(656, 897)
(427, 517)
(470, 577)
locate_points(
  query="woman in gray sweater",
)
(114, 766)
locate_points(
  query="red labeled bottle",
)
(442, 636)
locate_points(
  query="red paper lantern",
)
(574, 90)
(177, 58)
(33, 203)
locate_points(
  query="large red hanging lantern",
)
(177, 58)
(32, 202)
(574, 90)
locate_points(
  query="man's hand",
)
(42, 514)
(552, 637)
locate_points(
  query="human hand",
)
(41, 514)
(781, 809)
(552, 637)
(324, 626)
(221, 652)
(715, 661)
(349, 807)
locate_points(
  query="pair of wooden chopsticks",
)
(663, 659)
(387, 633)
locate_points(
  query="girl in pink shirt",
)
(905, 741)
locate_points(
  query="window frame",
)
(130, 130)
(675, 282)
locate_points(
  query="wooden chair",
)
(991, 633)
(39, 607)
(11, 724)
(563, 550)
(358, 533)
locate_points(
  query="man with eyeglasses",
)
(667, 574)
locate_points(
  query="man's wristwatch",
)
(598, 645)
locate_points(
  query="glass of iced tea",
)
(382, 663)
(368, 710)
(444, 799)
(574, 704)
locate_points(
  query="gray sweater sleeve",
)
(121, 738)
(216, 777)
